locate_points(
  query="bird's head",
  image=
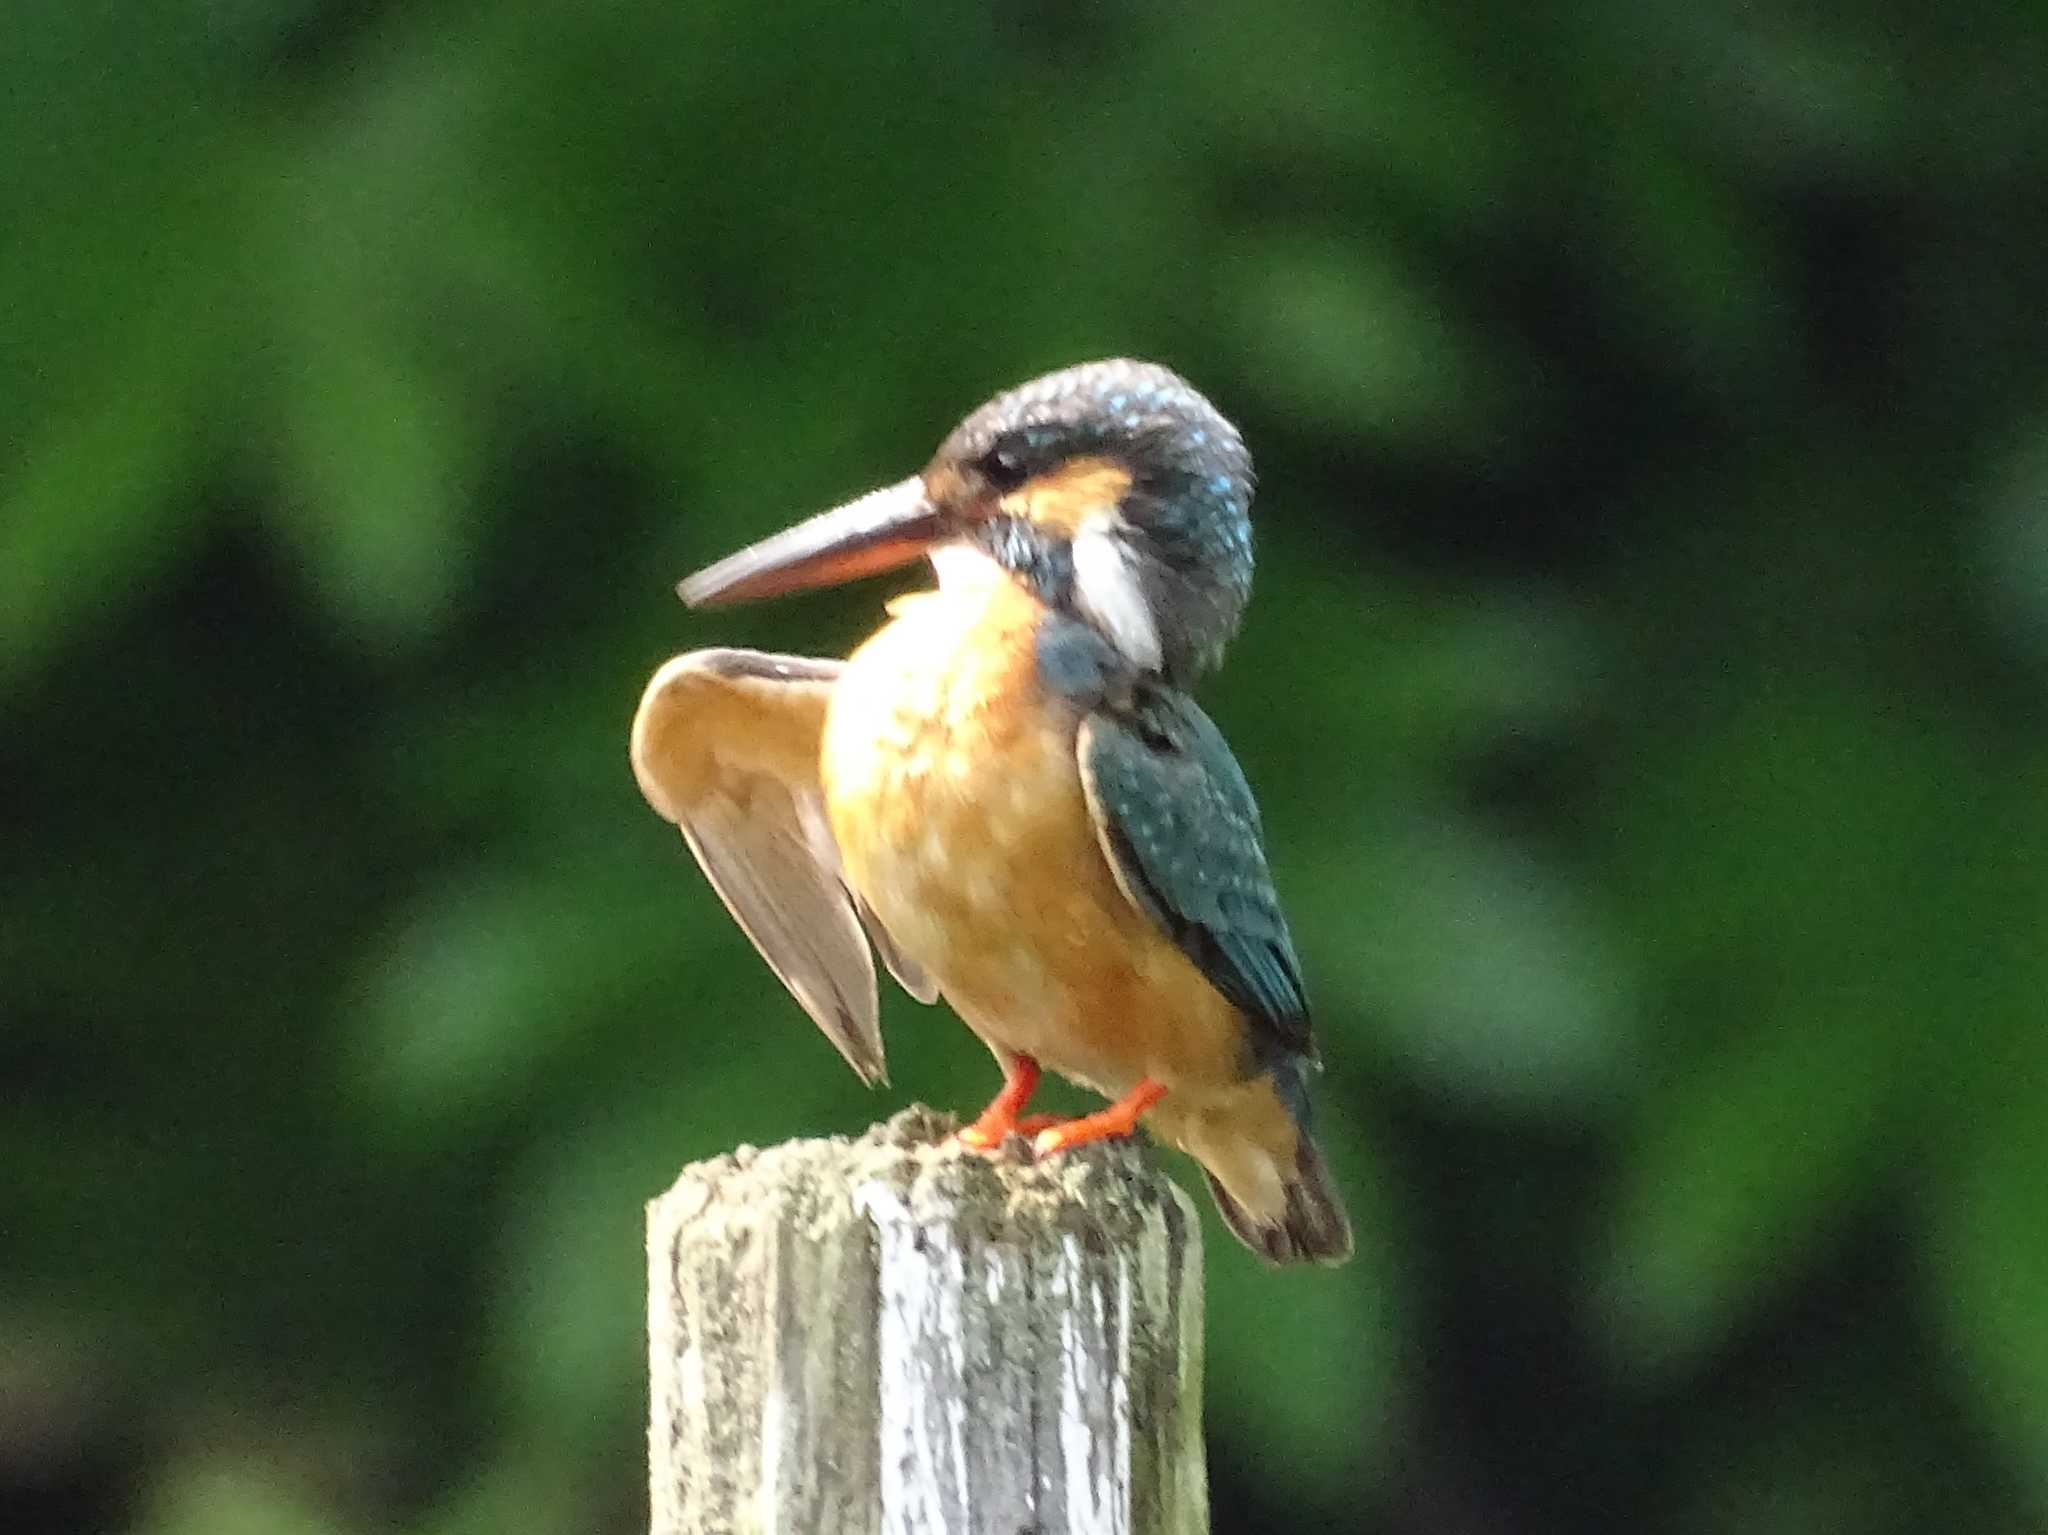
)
(1112, 490)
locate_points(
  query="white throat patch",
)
(961, 567)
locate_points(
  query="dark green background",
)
(1645, 688)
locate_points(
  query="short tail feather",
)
(1313, 1228)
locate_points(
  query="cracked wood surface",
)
(893, 1336)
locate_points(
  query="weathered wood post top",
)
(894, 1334)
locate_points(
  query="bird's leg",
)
(1112, 1123)
(999, 1120)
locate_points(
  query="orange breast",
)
(955, 795)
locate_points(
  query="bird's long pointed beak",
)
(883, 529)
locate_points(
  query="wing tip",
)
(871, 1068)
(871, 1077)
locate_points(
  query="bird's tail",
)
(1267, 1175)
(1311, 1226)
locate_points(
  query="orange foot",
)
(1112, 1123)
(999, 1121)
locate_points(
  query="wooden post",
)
(893, 1336)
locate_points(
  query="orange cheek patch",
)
(1065, 497)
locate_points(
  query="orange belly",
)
(955, 796)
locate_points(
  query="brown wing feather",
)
(725, 745)
(909, 974)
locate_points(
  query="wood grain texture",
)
(893, 1336)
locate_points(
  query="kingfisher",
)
(1009, 795)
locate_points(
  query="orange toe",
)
(1112, 1123)
(982, 1136)
(999, 1121)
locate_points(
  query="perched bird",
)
(1007, 791)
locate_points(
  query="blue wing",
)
(1180, 829)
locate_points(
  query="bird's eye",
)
(1003, 466)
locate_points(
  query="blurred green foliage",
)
(1646, 691)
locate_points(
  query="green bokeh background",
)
(1647, 689)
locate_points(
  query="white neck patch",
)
(1107, 589)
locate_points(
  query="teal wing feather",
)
(1181, 831)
